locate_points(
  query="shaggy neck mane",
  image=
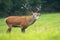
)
(32, 20)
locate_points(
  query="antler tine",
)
(37, 9)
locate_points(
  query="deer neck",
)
(32, 20)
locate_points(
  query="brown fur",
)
(19, 21)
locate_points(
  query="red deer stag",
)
(21, 21)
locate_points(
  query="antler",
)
(38, 8)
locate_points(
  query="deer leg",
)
(23, 29)
(9, 28)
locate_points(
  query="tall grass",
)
(45, 28)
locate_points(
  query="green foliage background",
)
(13, 7)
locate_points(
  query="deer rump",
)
(19, 21)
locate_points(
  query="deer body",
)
(20, 21)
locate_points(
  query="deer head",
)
(36, 15)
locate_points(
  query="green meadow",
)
(45, 28)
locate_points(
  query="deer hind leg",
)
(9, 28)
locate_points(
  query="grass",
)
(45, 28)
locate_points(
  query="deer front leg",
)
(23, 29)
